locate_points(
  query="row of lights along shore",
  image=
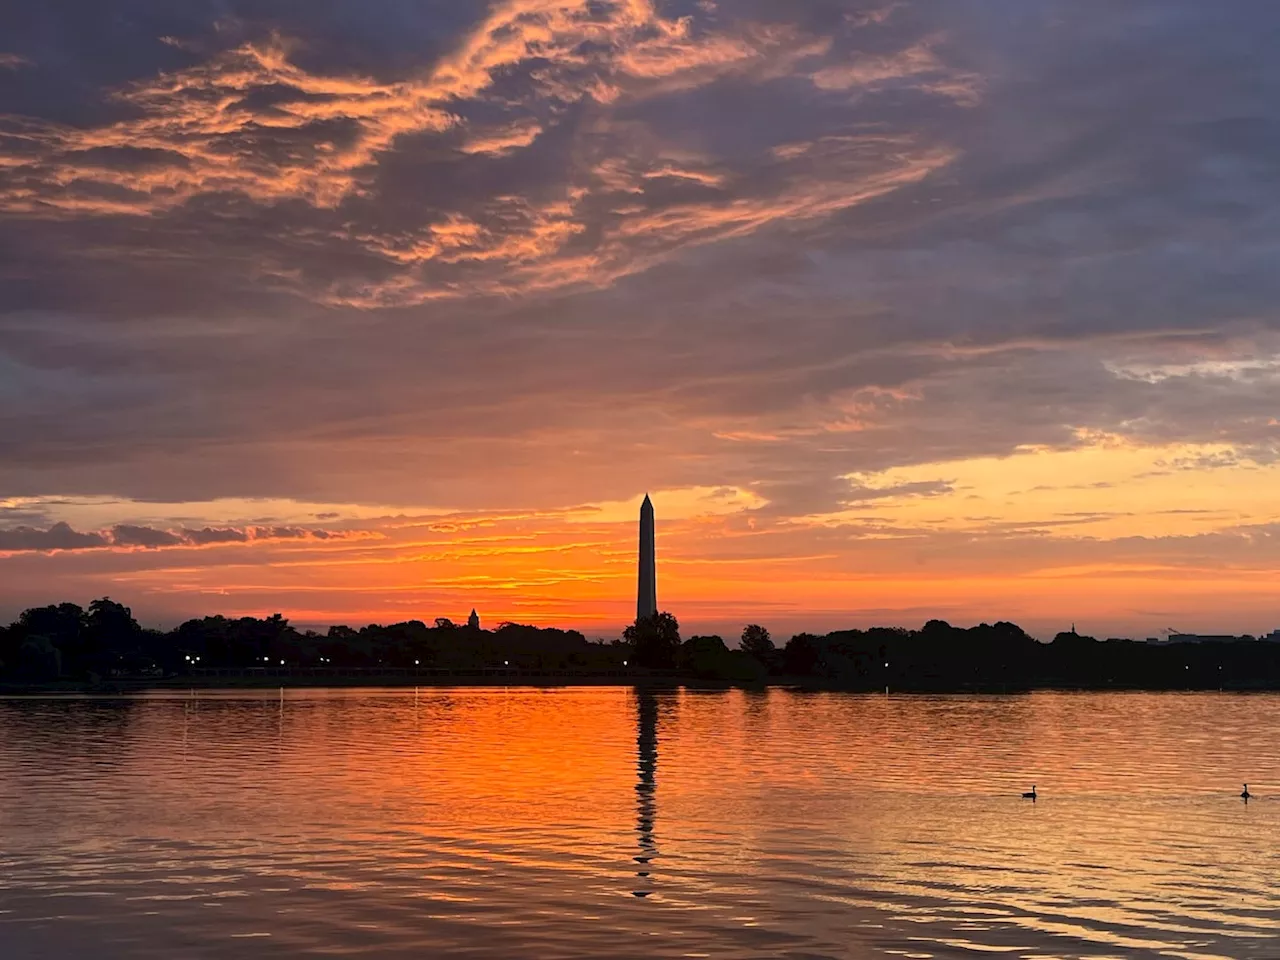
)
(416, 663)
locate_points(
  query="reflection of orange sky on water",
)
(763, 804)
(753, 769)
(478, 749)
(506, 745)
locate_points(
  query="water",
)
(606, 823)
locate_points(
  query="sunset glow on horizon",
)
(897, 311)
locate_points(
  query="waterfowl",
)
(1245, 794)
(1030, 794)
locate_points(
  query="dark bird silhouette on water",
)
(1245, 794)
(1030, 794)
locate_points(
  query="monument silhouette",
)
(647, 592)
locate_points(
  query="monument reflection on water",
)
(525, 822)
(646, 784)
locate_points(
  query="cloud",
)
(214, 535)
(58, 537)
(248, 121)
(329, 161)
(504, 139)
(61, 537)
(915, 488)
(127, 535)
(279, 533)
(917, 66)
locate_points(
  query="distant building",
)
(1176, 637)
(473, 621)
(1273, 637)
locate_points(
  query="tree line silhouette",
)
(67, 643)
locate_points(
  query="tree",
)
(755, 641)
(703, 656)
(802, 654)
(656, 640)
(39, 660)
(444, 623)
(110, 626)
(62, 623)
(62, 626)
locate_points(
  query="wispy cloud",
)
(253, 123)
(125, 536)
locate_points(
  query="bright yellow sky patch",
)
(1109, 489)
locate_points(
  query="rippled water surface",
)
(612, 823)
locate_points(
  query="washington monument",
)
(647, 594)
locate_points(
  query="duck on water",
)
(1030, 794)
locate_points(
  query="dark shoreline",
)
(227, 680)
(66, 649)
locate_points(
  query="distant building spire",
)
(647, 586)
(473, 621)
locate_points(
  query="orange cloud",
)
(61, 537)
(918, 63)
(208, 135)
(536, 243)
(252, 122)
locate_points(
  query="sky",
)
(382, 310)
